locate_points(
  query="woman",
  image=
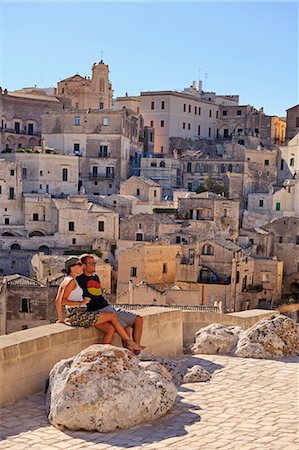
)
(70, 295)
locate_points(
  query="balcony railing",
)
(26, 132)
(101, 176)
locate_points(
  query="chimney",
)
(200, 86)
(194, 84)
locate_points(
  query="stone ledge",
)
(27, 356)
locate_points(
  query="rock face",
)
(273, 337)
(104, 388)
(216, 338)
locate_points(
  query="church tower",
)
(101, 86)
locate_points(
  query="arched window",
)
(36, 233)
(207, 250)
(15, 247)
(292, 162)
(162, 164)
(44, 249)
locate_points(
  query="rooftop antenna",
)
(206, 77)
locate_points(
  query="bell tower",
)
(101, 86)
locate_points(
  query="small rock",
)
(216, 338)
(196, 374)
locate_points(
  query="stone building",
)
(153, 263)
(27, 303)
(222, 272)
(147, 227)
(145, 189)
(288, 159)
(210, 214)
(11, 189)
(187, 114)
(20, 115)
(285, 247)
(245, 120)
(80, 92)
(292, 122)
(47, 173)
(165, 171)
(108, 142)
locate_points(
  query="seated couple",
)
(80, 292)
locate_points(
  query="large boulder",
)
(105, 388)
(216, 338)
(272, 337)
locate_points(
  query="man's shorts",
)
(125, 317)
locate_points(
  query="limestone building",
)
(80, 92)
(145, 189)
(20, 115)
(107, 142)
(292, 122)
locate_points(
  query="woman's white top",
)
(76, 294)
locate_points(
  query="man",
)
(91, 285)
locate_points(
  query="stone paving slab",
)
(248, 405)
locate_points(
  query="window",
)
(292, 162)
(184, 125)
(76, 147)
(74, 241)
(242, 142)
(94, 171)
(239, 112)
(103, 153)
(0, 190)
(224, 113)
(35, 217)
(189, 186)
(77, 120)
(15, 247)
(280, 239)
(225, 133)
(6, 221)
(109, 172)
(137, 191)
(152, 105)
(153, 164)
(277, 207)
(162, 104)
(178, 239)
(297, 239)
(25, 306)
(265, 277)
(209, 131)
(256, 130)
(133, 272)
(198, 130)
(195, 110)
(40, 173)
(101, 105)
(139, 236)
(261, 203)
(105, 121)
(184, 107)
(239, 130)
(62, 90)
(281, 164)
(189, 167)
(199, 111)
(162, 123)
(207, 250)
(238, 277)
(151, 123)
(11, 193)
(12, 172)
(71, 226)
(189, 109)
(225, 212)
(101, 225)
(197, 168)
(17, 127)
(164, 267)
(210, 113)
(266, 162)
(64, 174)
(189, 126)
(217, 114)
(155, 193)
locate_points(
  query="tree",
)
(211, 186)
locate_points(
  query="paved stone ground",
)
(248, 405)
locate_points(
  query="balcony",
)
(14, 131)
(101, 176)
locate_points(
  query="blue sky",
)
(250, 49)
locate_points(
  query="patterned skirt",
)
(78, 316)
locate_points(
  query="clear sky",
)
(250, 49)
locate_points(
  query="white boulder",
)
(105, 388)
(216, 338)
(196, 374)
(272, 337)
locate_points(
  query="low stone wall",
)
(26, 357)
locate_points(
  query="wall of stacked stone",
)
(27, 356)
